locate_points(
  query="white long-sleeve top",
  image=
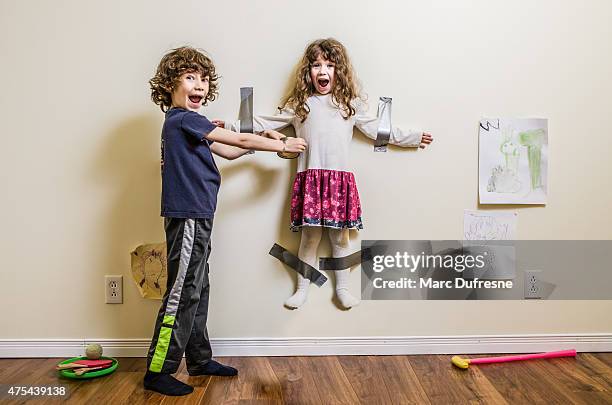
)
(329, 135)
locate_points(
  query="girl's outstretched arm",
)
(267, 122)
(409, 138)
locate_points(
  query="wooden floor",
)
(429, 379)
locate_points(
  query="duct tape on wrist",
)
(296, 264)
(384, 125)
(245, 114)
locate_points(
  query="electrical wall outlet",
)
(532, 285)
(113, 287)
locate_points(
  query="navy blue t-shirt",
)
(190, 178)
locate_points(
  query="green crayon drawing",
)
(505, 179)
(533, 140)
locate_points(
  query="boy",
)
(185, 80)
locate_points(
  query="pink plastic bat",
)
(465, 363)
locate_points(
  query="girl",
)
(323, 107)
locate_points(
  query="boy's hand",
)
(426, 139)
(270, 133)
(295, 145)
(218, 123)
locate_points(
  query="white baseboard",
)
(593, 342)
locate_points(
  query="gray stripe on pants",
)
(186, 248)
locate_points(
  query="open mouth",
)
(196, 99)
(323, 82)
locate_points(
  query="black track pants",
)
(181, 322)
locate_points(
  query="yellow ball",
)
(93, 351)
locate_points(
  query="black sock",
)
(166, 384)
(213, 368)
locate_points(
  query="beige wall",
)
(80, 153)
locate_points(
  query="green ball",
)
(93, 351)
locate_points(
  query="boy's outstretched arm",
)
(233, 152)
(255, 142)
(227, 151)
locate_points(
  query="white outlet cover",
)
(113, 289)
(532, 284)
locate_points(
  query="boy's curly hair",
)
(345, 88)
(173, 65)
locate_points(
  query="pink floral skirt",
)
(326, 198)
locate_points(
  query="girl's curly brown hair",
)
(345, 88)
(173, 65)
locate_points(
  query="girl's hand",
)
(426, 139)
(218, 123)
(270, 133)
(295, 145)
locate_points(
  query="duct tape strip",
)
(246, 109)
(296, 264)
(245, 114)
(346, 262)
(384, 124)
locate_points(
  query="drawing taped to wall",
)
(489, 225)
(482, 233)
(149, 270)
(513, 161)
